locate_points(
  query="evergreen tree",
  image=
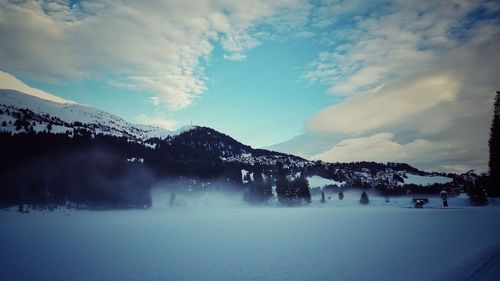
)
(302, 189)
(494, 143)
(283, 187)
(172, 202)
(18, 123)
(364, 198)
(259, 191)
(341, 195)
(322, 197)
(268, 187)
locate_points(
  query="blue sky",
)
(399, 80)
(255, 101)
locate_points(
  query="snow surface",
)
(243, 243)
(425, 180)
(317, 181)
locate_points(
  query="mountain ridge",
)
(33, 128)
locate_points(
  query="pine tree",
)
(494, 143)
(302, 185)
(282, 187)
(172, 202)
(258, 191)
(364, 198)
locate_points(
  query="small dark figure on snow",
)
(341, 195)
(444, 196)
(419, 204)
(322, 197)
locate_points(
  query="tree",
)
(283, 187)
(172, 202)
(4, 124)
(302, 189)
(494, 143)
(259, 191)
(364, 198)
(18, 123)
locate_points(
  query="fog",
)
(212, 234)
(218, 194)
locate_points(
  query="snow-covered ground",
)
(321, 242)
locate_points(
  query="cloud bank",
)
(155, 46)
(417, 80)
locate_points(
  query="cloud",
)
(155, 121)
(422, 153)
(389, 105)
(424, 71)
(157, 47)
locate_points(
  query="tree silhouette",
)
(282, 186)
(302, 189)
(171, 201)
(494, 143)
(364, 198)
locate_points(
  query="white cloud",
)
(425, 154)
(387, 106)
(424, 71)
(158, 47)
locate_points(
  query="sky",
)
(401, 81)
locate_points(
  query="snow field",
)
(245, 243)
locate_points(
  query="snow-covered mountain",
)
(41, 111)
(27, 110)
(9, 82)
(45, 115)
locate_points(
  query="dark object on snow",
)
(341, 195)
(322, 197)
(444, 197)
(364, 198)
(420, 202)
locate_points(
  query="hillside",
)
(66, 136)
